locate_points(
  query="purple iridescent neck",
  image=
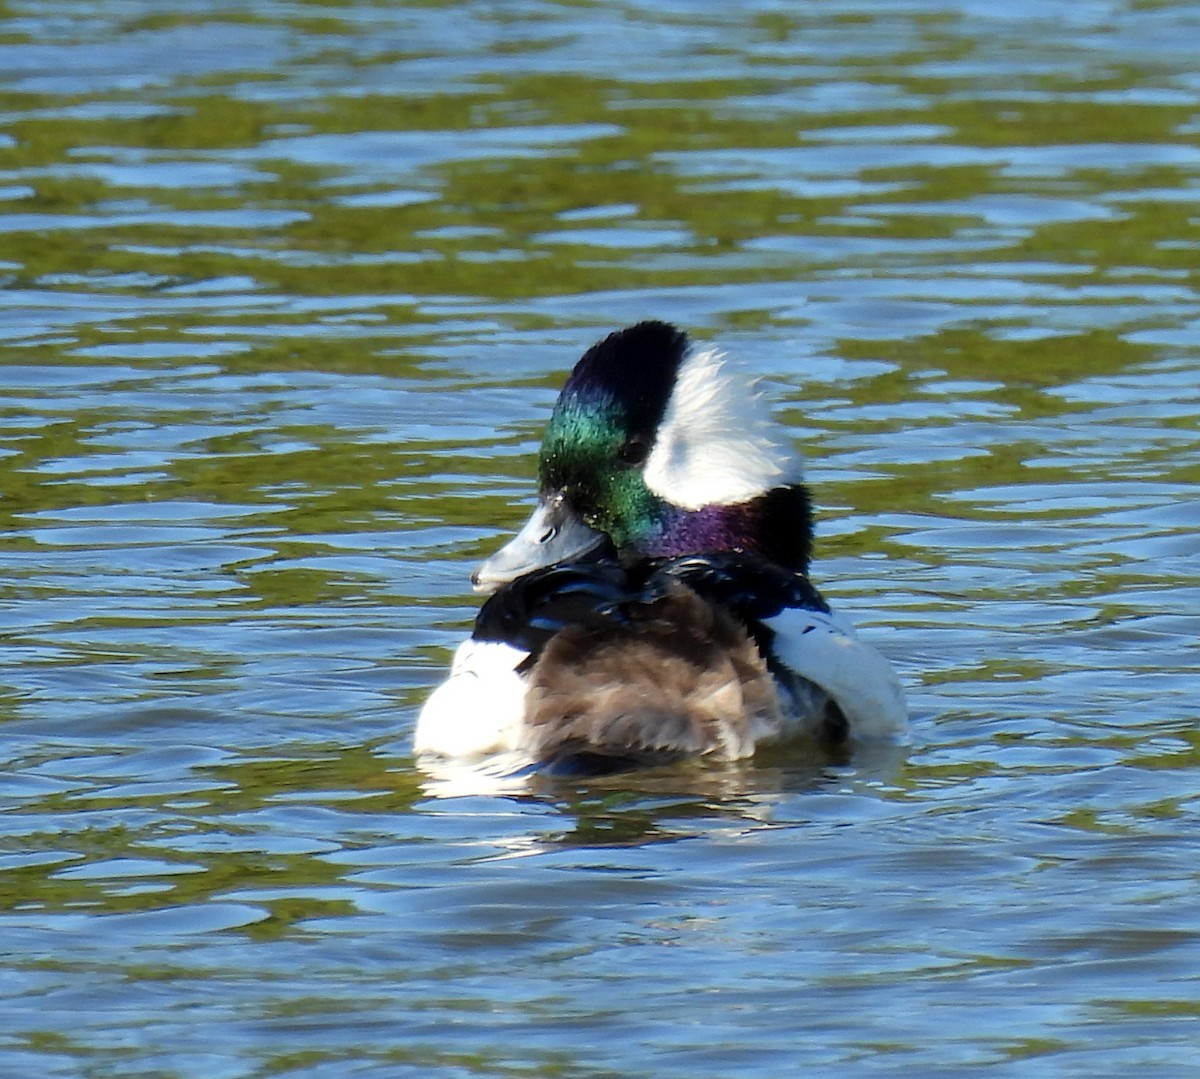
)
(713, 528)
(777, 526)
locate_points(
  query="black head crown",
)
(632, 371)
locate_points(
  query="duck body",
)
(656, 606)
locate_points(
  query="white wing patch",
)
(717, 443)
(480, 708)
(823, 649)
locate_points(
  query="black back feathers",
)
(603, 594)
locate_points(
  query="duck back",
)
(676, 676)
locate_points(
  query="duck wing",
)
(805, 644)
(822, 648)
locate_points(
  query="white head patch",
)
(717, 444)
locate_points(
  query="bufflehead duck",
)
(656, 605)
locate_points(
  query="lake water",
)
(289, 288)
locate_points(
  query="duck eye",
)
(634, 450)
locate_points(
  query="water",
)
(288, 290)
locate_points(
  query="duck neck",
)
(776, 526)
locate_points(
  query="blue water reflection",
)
(287, 293)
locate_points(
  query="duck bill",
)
(552, 534)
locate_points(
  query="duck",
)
(656, 605)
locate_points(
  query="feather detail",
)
(682, 678)
(479, 708)
(717, 444)
(822, 649)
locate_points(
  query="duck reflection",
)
(656, 805)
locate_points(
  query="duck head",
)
(655, 449)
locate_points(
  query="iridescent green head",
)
(603, 428)
(658, 450)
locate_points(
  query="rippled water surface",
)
(288, 289)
